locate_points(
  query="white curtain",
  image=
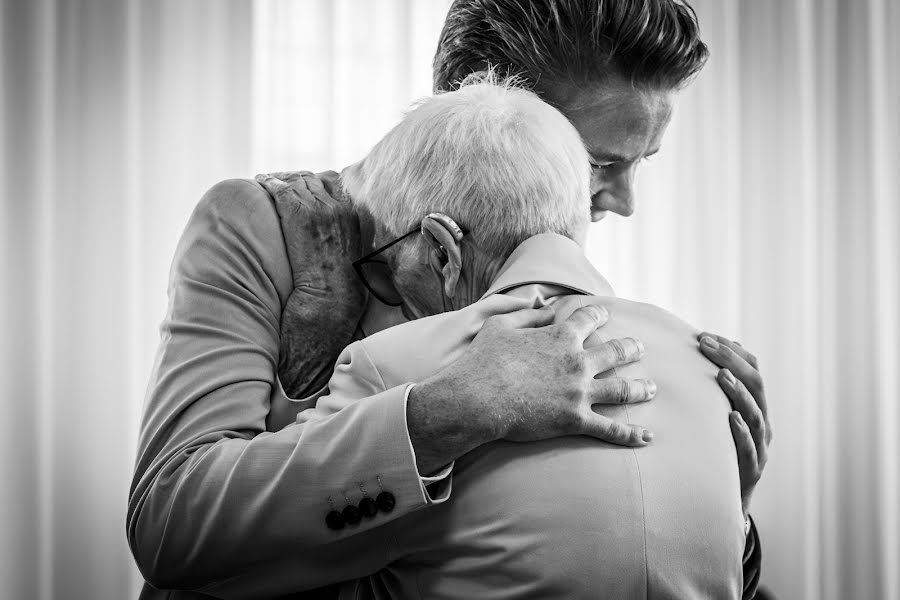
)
(769, 216)
(772, 216)
(115, 118)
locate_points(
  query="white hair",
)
(491, 155)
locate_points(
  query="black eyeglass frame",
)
(358, 266)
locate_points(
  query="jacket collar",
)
(554, 259)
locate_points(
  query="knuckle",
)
(629, 434)
(594, 313)
(621, 391)
(741, 391)
(562, 333)
(570, 421)
(754, 384)
(576, 362)
(636, 435)
(754, 420)
(617, 348)
(727, 354)
(614, 432)
(568, 332)
(575, 395)
(576, 421)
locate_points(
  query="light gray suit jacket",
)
(571, 517)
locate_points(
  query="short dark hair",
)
(653, 44)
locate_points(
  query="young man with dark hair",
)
(263, 297)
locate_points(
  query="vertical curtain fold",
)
(771, 215)
(116, 116)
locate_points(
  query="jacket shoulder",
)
(235, 230)
(241, 201)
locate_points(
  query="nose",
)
(613, 192)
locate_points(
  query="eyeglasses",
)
(375, 273)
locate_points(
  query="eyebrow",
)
(613, 157)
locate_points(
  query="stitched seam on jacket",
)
(640, 487)
(368, 356)
(643, 522)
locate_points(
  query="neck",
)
(479, 271)
(427, 297)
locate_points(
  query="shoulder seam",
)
(368, 356)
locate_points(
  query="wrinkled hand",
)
(321, 233)
(545, 381)
(522, 379)
(750, 427)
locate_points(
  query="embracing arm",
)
(215, 496)
(218, 504)
(741, 381)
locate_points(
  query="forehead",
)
(620, 122)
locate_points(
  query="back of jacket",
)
(572, 517)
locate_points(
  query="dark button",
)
(385, 502)
(334, 520)
(351, 514)
(367, 507)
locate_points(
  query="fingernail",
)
(640, 346)
(710, 343)
(647, 436)
(651, 388)
(729, 377)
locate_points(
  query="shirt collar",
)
(550, 258)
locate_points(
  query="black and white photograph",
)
(450, 299)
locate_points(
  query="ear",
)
(444, 236)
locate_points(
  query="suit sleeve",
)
(355, 378)
(752, 561)
(217, 502)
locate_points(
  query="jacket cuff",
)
(435, 487)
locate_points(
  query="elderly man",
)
(567, 517)
(263, 298)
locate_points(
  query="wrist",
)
(450, 414)
(442, 425)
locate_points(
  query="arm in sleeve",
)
(355, 377)
(752, 562)
(215, 497)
